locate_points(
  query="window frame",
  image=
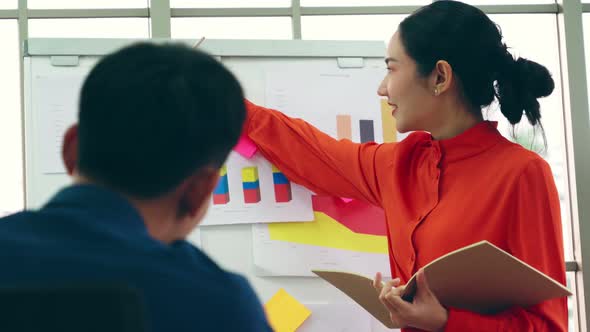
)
(159, 14)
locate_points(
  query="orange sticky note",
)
(285, 313)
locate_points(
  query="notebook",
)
(480, 277)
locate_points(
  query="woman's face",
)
(409, 95)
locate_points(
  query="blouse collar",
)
(473, 141)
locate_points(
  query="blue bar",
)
(279, 178)
(222, 186)
(251, 185)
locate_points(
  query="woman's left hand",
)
(424, 312)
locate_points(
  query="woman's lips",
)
(393, 108)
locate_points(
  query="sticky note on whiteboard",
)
(285, 313)
(246, 147)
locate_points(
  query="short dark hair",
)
(152, 115)
(472, 44)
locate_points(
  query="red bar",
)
(283, 193)
(251, 195)
(219, 199)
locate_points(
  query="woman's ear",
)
(442, 77)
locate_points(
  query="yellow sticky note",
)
(285, 313)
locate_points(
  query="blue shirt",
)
(89, 234)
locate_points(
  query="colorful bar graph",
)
(367, 131)
(251, 184)
(388, 123)
(282, 186)
(221, 191)
(343, 126)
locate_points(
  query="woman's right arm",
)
(315, 160)
(535, 237)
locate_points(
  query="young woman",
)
(452, 182)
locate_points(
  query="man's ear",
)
(196, 191)
(69, 149)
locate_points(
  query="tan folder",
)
(480, 277)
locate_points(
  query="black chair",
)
(72, 308)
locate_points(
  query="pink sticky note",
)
(246, 147)
(346, 200)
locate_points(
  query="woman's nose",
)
(382, 89)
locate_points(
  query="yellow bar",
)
(250, 174)
(223, 170)
(275, 169)
(388, 122)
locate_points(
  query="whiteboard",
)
(250, 60)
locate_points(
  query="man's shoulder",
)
(246, 307)
(230, 302)
(13, 224)
(17, 216)
(202, 267)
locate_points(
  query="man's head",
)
(157, 120)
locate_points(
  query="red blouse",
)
(438, 196)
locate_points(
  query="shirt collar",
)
(99, 203)
(473, 141)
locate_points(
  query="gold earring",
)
(436, 91)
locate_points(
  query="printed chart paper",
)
(343, 236)
(336, 317)
(55, 98)
(254, 191)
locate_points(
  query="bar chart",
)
(221, 191)
(367, 131)
(251, 185)
(253, 191)
(366, 127)
(344, 126)
(282, 186)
